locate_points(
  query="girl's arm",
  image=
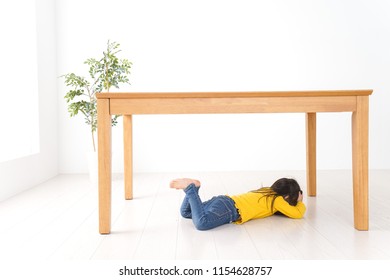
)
(295, 212)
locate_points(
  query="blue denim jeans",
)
(217, 211)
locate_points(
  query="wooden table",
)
(308, 102)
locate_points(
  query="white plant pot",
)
(93, 167)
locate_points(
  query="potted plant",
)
(106, 72)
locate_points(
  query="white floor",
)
(58, 220)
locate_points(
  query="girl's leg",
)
(205, 215)
(212, 213)
(185, 209)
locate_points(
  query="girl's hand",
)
(300, 196)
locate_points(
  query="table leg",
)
(360, 162)
(311, 150)
(104, 158)
(128, 155)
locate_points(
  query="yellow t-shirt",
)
(253, 205)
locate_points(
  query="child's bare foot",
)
(183, 183)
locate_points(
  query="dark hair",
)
(286, 187)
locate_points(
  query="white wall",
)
(20, 174)
(226, 45)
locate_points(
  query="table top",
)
(233, 94)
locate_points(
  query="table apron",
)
(130, 106)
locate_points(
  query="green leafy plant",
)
(106, 72)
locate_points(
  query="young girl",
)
(284, 196)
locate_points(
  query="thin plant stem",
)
(93, 141)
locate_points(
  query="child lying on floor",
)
(284, 196)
